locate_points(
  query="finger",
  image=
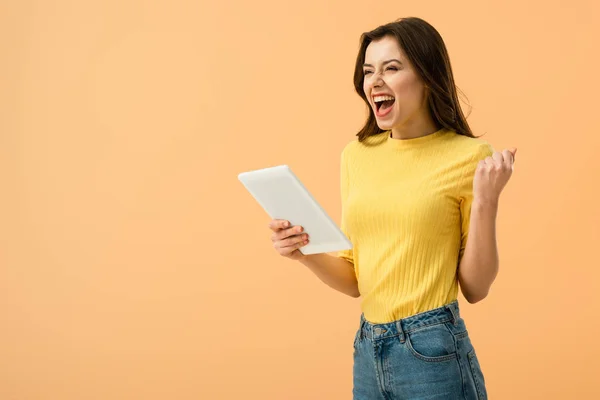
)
(294, 240)
(278, 224)
(290, 244)
(286, 251)
(508, 158)
(284, 233)
(489, 161)
(498, 157)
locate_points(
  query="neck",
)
(414, 130)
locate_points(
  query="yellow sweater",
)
(405, 207)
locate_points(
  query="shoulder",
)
(350, 148)
(473, 149)
(467, 152)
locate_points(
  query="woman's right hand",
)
(288, 239)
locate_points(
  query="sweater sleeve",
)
(482, 151)
(344, 189)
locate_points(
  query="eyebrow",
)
(385, 62)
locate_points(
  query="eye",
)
(388, 68)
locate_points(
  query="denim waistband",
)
(447, 313)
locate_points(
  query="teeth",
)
(378, 99)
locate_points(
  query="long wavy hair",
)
(425, 49)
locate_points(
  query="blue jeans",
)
(425, 356)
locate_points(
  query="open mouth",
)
(383, 103)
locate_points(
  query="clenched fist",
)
(492, 175)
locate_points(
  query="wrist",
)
(485, 203)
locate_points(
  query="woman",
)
(415, 185)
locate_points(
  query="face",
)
(395, 78)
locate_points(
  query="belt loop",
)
(362, 325)
(454, 313)
(400, 330)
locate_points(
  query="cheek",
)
(403, 87)
(366, 87)
(408, 91)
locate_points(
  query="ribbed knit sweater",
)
(406, 207)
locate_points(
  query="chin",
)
(385, 125)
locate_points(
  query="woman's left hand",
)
(492, 175)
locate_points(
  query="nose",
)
(377, 80)
(378, 83)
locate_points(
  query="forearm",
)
(335, 272)
(479, 265)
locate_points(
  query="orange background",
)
(133, 263)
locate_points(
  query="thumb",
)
(513, 152)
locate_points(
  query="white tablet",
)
(281, 194)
